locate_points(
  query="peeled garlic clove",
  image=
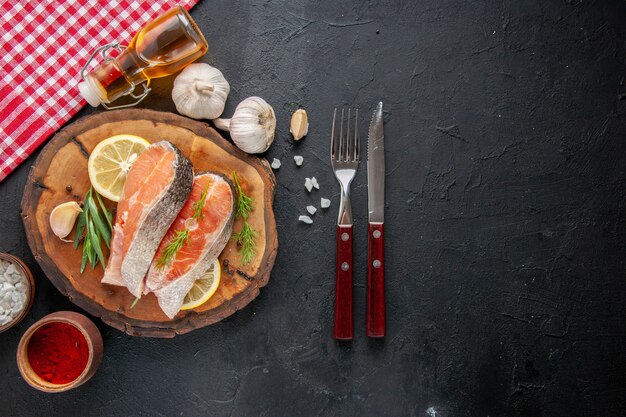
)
(253, 125)
(200, 91)
(63, 217)
(299, 124)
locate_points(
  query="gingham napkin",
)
(43, 46)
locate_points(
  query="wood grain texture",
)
(63, 163)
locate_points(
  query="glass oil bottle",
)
(162, 47)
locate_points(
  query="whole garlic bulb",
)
(200, 91)
(253, 125)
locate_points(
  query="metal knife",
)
(376, 206)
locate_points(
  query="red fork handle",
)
(375, 281)
(343, 284)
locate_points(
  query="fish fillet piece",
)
(208, 234)
(155, 190)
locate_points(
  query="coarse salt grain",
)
(324, 203)
(311, 209)
(276, 163)
(308, 184)
(315, 184)
(298, 159)
(305, 219)
(13, 292)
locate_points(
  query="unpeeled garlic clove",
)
(63, 217)
(299, 124)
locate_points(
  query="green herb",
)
(245, 238)
(244, 202)
(172, 248)
(134, 303)
(199, 205)
(93, 227)
(107, 213)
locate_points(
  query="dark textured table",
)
(506, 286)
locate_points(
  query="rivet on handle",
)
(345, 237)
(376, 234)
(376, 263)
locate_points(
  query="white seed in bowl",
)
(324, 202)
(298, 159)
(305, 219)
(276, 163)
(311, 209)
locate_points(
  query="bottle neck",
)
(117, 77)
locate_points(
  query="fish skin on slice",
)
(155, 190)
(207, 238)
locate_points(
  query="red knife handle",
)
(343, 284)
(375, 281)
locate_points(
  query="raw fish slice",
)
(155, 190)
(207, 237)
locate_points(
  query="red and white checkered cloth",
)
(43, 46)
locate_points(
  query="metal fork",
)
(344, 158)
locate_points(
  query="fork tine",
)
(357, 141)
(347, 154)
(340, 156)
(333, 142)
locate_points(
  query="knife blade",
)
(376, 167)
(376, 206)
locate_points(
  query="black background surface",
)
(506, 288)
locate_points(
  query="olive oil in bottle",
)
(162, 47)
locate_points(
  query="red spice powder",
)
(58, 352)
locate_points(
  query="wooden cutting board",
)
(60, 175)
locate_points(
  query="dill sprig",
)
(182, 236)
(245, 238)
(172, 248)
(244, 202)
(199, 205)
(94, 226)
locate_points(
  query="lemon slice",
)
(203, 288)
(110, 162)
